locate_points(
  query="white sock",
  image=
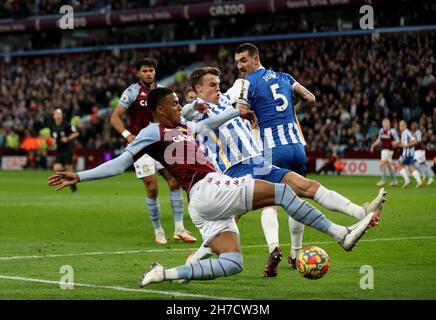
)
(179, 227)
(336, 231)
(403, 173)
(201, 253)
(270, 226)
(334, 201)
(159, 230)
(296, 230)
(415, 174)
(171, 274)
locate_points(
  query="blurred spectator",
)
(12, 140)
(333, 163)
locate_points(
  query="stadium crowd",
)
(357, 81)
(25, 8)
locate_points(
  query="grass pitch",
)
(103, 232)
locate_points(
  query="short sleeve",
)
(128, 97)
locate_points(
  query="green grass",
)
(110, 215)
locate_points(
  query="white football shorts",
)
(146, 166)
(216, 199)
(419, 156)
(386, 155)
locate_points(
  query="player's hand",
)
(63, 179)
(245, 113)
(64, 139)
(130, 138)
(371, 150)
(201, 106)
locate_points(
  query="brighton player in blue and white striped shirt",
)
(407, 143)
(233, 150)
(270, 95)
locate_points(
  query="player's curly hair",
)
(198, 74)
(148, 62)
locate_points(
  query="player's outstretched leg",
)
(330, 199)
(303, 212)
(230, 262)
(226, 265)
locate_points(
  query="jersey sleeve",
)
(145, 137)
(238, 93)
(214, 122)
(189, 112)
(128, 97)
(395, 136)
(418, 136)
(291, 80)
(380, 134)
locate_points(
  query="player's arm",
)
(110, 168)
(238, 95)
(308, 99)
(74, 134)
(412, 142)
(215, 122)
(127, 98)
(118, 125)
(193, 111)
(396, 139)
(375, 144)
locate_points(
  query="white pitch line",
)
(98, 253)
(86, 285)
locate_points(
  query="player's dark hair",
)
(148, 62)
(199, 73)
(155, 97)
(249, 47)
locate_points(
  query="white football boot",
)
(376, 206)
(355, 232)
(160, 237)
(155, 274)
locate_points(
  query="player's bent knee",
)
(313, 187)
(173, 184)
(231, 262)
(151, 187)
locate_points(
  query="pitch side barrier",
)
(201, 42)
(355, 163)
(360, 163)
